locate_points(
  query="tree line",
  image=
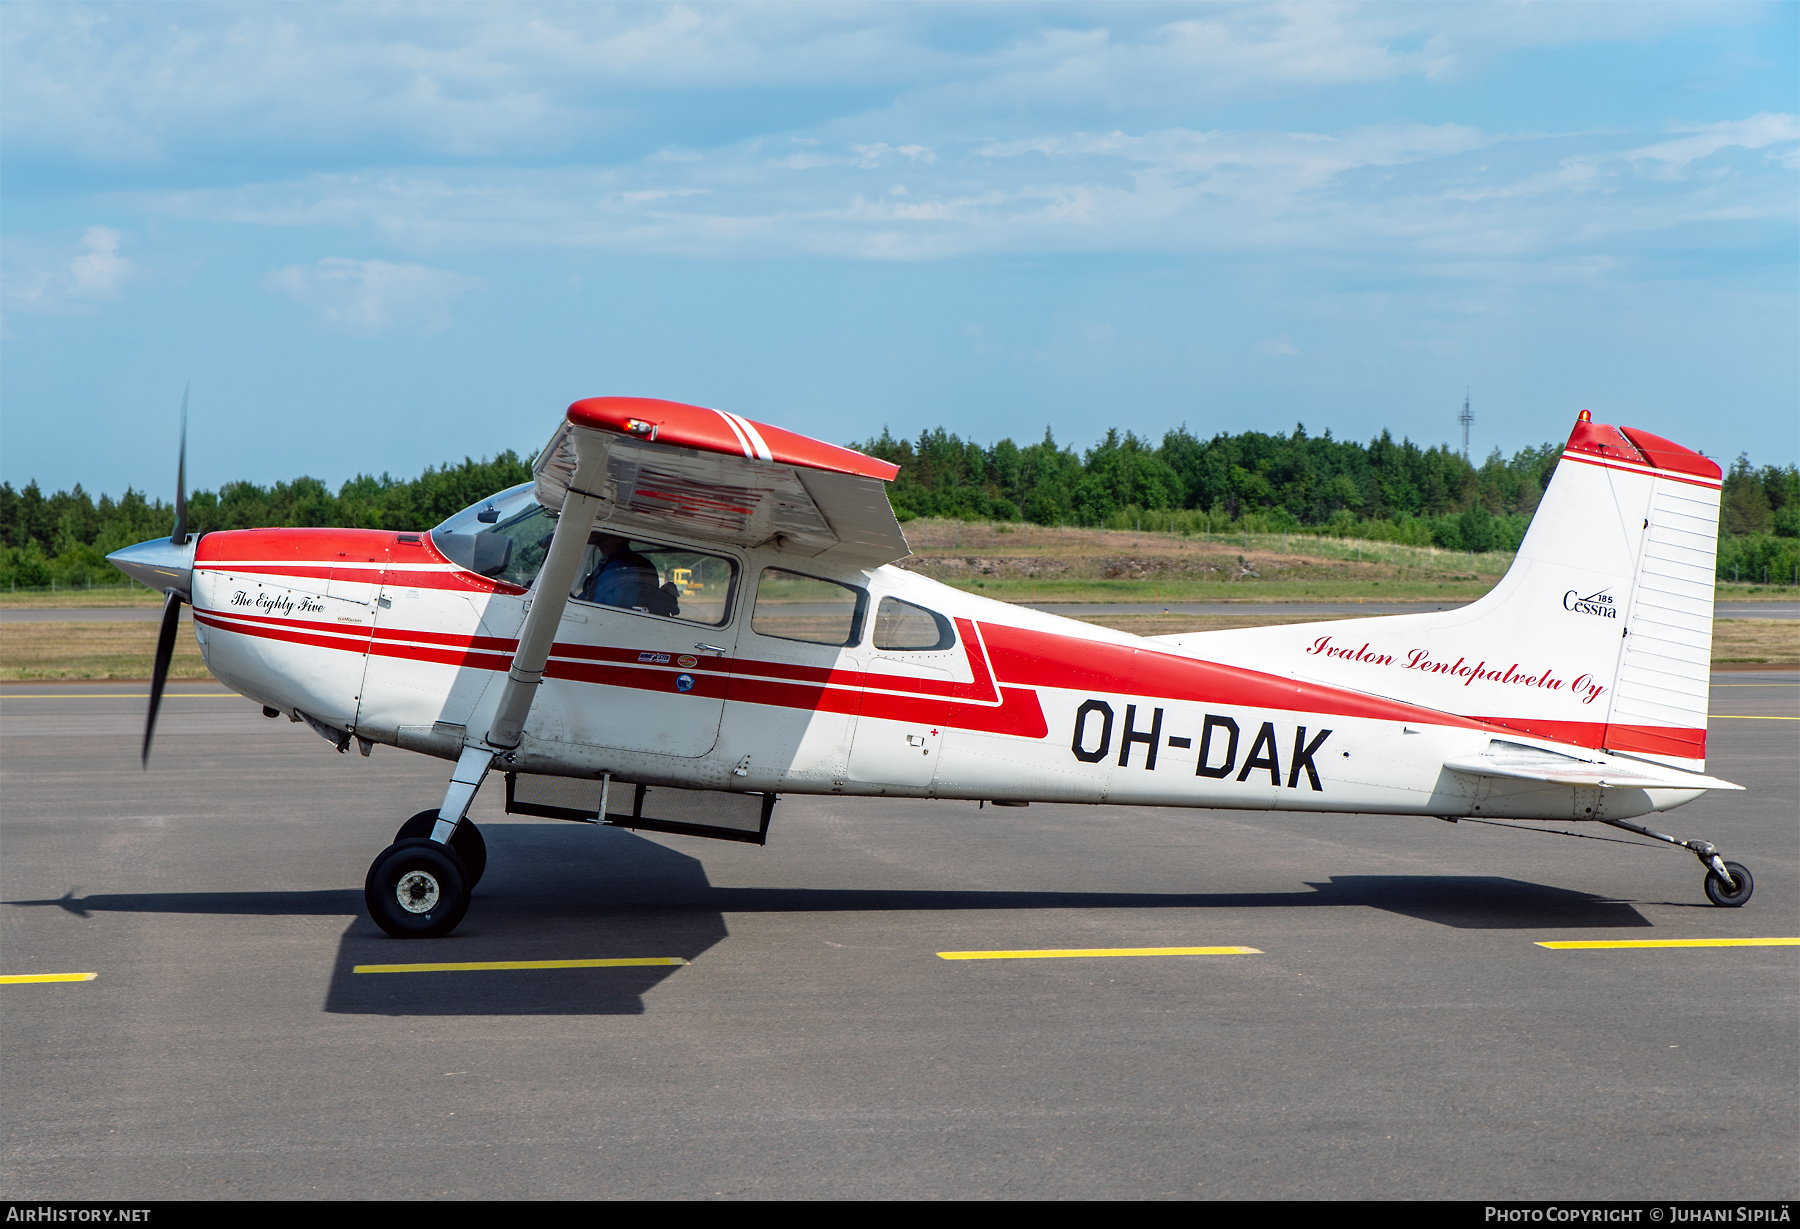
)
(1254, 481)
(1395, 491)
(1272, 483)
(63, 539)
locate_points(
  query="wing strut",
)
(555, 579)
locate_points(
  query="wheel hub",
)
(417, 891)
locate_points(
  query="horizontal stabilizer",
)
(1524, 763)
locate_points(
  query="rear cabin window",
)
(653, 579)
(903, 627)
(790, 606)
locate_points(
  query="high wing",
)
(714, 476)
(638, 463)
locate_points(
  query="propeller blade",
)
(179, 537)
(159, 672)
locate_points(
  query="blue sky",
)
(378, 237)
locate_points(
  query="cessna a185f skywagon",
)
(688, 614)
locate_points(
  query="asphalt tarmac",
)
(1398, 1033)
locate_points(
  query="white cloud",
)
(42, 282)
(339, 85)
(1447, 195)
(750, 130)
(871, 156)
(1277, 347)
(372, 296)
(99, 270)
(1705, 140)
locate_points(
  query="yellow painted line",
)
(485, 965)
(1742, 717)
(17, 979)
(1585, 944)
(1056, 953)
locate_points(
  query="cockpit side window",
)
(504, 537)
(903, 627)
(670, 581)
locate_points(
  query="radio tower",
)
(1465, 418)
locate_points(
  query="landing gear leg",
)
(1728, 884)
(418, 888)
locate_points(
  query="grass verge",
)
(80, 599)
(48, 651)
(1249, 591)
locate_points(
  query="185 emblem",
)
(1598, 604)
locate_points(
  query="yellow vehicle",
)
(683, 579)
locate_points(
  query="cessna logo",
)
(1219, 739)
(1600, 604)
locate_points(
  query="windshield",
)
(513, 514)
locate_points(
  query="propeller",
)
(172, 598)
(179, 537)
(159, 672)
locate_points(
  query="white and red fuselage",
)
(382, 636)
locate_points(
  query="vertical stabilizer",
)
(1599, 635)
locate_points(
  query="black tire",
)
(416, 890)
(1725, 898)
(468, 843)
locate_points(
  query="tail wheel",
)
(1728, 897)
(467, 842)
(416, 889)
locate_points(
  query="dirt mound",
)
(961, 567)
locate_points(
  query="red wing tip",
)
(707, 430)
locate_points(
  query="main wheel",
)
(1727, 898)
(416, 889)
(467, 842)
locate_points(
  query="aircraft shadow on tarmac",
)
(624, 896)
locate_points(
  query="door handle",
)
(710, 648)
